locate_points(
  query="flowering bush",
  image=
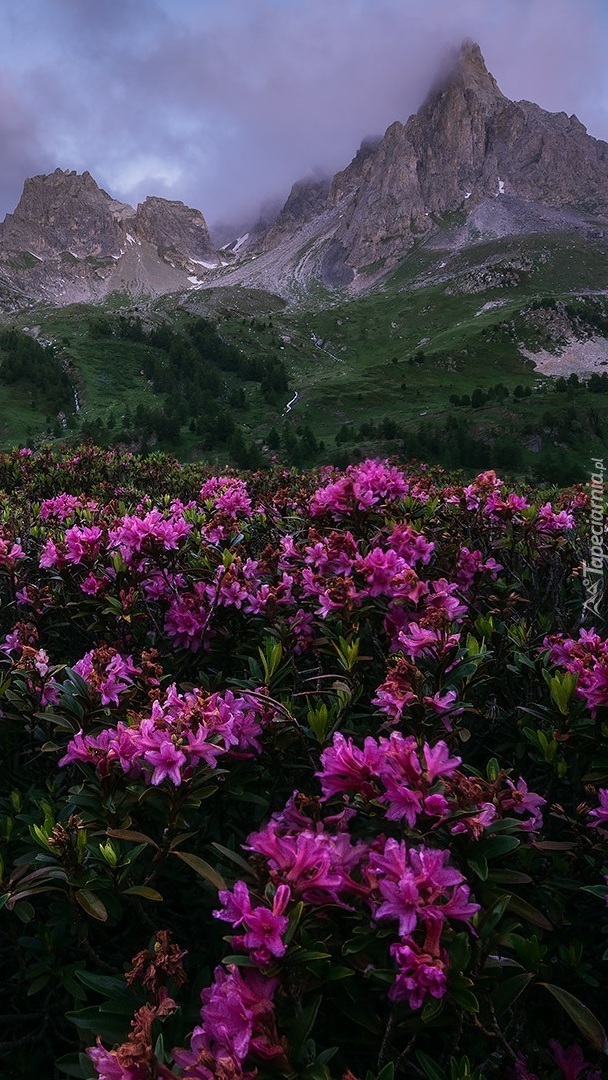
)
(304, 775)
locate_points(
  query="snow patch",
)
(240, 241)
(468, 194)
(490, 304)
(501, 187)
(130, 239)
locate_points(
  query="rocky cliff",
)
(68, 240)
(500, 167)
(176, 230)
(466, 143)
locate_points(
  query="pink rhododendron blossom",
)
(228, 494)
(471, 564)
(82, 543)
(410, 545)
(10, 553)
(108, 1066)
(134, 534)
(108, 672)
(237, 1017)
(344, 767)
(571, 1063)
(443, 705)
(600, 813)
(264, 927)
(419, 641)
(412, 885)
(181, 731)
(418, 975)
(362, 487)
(521, 801)
(316, 865)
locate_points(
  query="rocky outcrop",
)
(68, 240)
(468, 141)
(64, 212)
(506, 167)
(173, 228)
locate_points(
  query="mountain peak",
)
(465, 69)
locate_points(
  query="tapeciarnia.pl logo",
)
(593, 572)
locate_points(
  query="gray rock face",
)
(68, 240)
(468, 141)
(307, 199)
(63, 212)
(507, 168)
(173, 228)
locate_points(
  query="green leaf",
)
(301, 1026)
(529, 913)
(595, 890)
(110, 1028)
(586, 1022)
(509, 877)
(239, 960)
(310, 954)
(479, 865)
(24, 911)
(387, 1073)
(429, 1067)
(316, 1071)
(108, 985)
(73, 1065)
(38, 984)
(337, 973)
(294, 918)
(90, 902)
(234, 857)
(131, 834)
(495, 846)
(466, 999)
(145, 891)
(509, 991)
(203, 868)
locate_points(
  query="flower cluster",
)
(181, 731)
(586, 658)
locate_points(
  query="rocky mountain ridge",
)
(69, 240)
(500, 167)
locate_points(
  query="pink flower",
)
(522, 801)
(443, 705)
(438, 761)
(344, 767)
(550, 521)
(264, 926)
(601, 812)
(238, 1015)
(108, 1066)
(418, 641)
(415, 884)
(418, 975)
(168, 761)
(570, 1060)
(315, 865)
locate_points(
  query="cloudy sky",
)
(224, 103)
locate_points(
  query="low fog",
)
(225, 103)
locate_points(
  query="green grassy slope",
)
(447, 324)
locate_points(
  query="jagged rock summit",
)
(69, 240)
(468, 142)
(503, 167)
